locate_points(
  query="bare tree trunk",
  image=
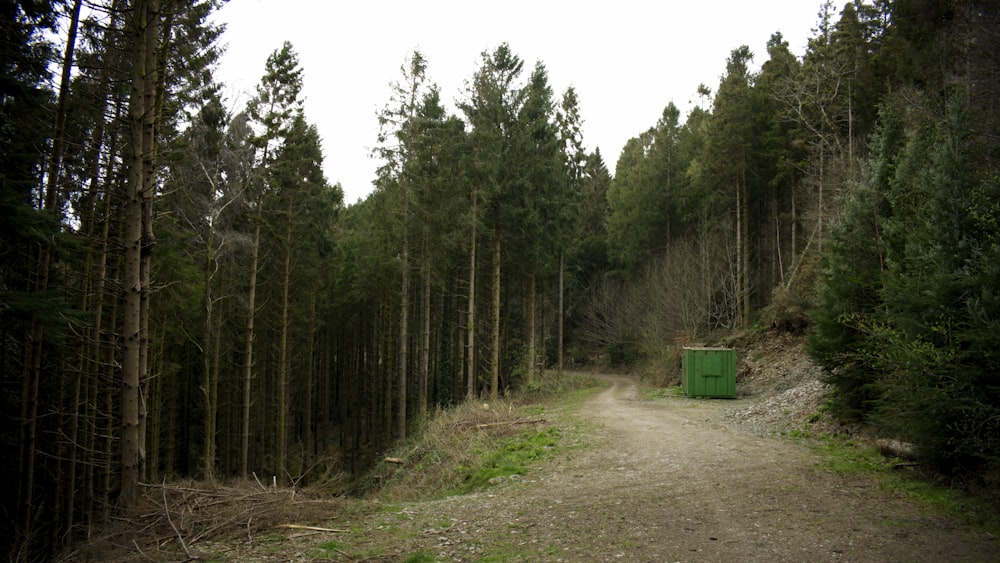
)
(795, 228)
(52, 204)
(207, 385)
(283, 358)
(425, 338)
(248, 354)
(154, 90)
(404, 336)
(531, 362)
(29, 426)
(388, 374)
(156, 402)
(470, 351)
(326, 398)
(562, 310)
(495, 359)
(307, 414)
(109, 402)
(741, 321)
(819, 207)
(745, 252)
(95, 332)
(92, 300)
(778, 268)
(58, 137)
(137, 243)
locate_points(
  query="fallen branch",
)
(312, 528)
(166, 510)
(896, 448)
(254, 473)
(139, 549)
(400, 460)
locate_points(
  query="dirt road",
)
(669, 481)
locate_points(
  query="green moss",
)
(512, 458)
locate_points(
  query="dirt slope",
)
(671, 480)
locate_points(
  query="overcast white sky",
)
(627, 60)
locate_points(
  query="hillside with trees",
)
(184, 294)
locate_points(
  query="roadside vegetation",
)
(848, 454)
(475, 444)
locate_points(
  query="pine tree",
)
(492, 108)
(396, 123)
(272, 112)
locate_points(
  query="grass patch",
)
(326, 550)
(842, 454)
(513, 457)
(567, 387)
(420, 557)
(660, 393)
(460, 449)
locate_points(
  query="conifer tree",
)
(492, 106)
(272, 112)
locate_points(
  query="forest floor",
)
(637, 477)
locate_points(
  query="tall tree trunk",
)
(52, 204)
(404, 336)
(137, 245)
(794, 235)
(334, 352)
(248, 353)
(388, 375)
(95, 333)
(91, 300)
(153, 91)
(283, 358)
(209, 384)
(156, 402)
(738, 289)
(819, 205)
(307, 415)
(531, 362)
(495, 359)
(745, 253)
(109, 399)
(216, 374)
(425, 336)
(562, 309)
(58, 137)
(29, 426)
(470, 333)
(778, 267)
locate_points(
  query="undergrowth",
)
(846, 454)
(478, 443)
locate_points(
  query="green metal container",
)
(709, 372)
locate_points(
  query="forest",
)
(183, 293)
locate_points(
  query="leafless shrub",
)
(688, 292)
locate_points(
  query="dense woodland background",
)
(183, 293)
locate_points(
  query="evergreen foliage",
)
(907, 316)
(850, 192)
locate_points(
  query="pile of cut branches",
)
(182, 520)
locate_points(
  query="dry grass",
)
(456, 443)
(189, 520)
(180, 520)
(439, 458)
